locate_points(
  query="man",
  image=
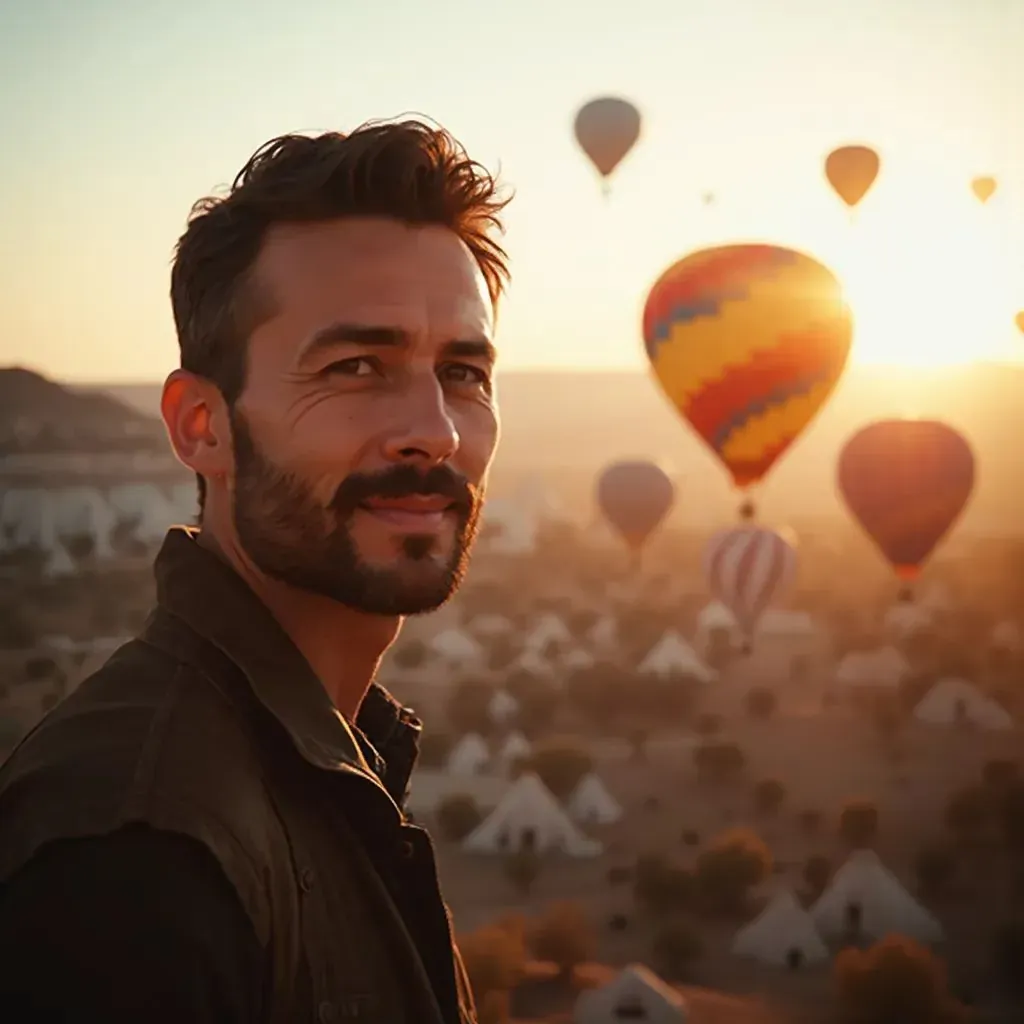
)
(211, 828)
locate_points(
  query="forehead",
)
(377, 272)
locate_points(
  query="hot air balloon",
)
(984, 188)
(746, 567)
(851, 171)
(635, 497)
(747, 342)
(906, 482)
(606, 130)
(1019, 321)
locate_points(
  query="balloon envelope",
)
(607, 129)
(984, 188)
(747, 342)
(851, 171)
(906, 482)
(635, 497)
(1019, 321)
(746, 567)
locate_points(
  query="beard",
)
(292, 537)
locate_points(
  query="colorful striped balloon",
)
(747, 342)
(746, 567)
(906, 482)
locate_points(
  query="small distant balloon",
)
(1019, 321)
(606, 130)
(635, 497)
(746, 568)
(708, 198)
(984, 188)
(906, 482)
(748, 343)
(851, 171)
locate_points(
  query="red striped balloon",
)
(746, 566)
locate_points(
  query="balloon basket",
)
(905, 595)
(747, 511)
(747, 648)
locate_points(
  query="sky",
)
(118, 115)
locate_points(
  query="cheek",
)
(321, 448)
(478, 438)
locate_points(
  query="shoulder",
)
(149, 740)
(144, 914)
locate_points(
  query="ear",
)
(196, 417)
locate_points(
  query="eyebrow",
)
(387, 337)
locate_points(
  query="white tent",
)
(144, 508)
(866, 896)
(785, 622)
(533, 663)
(59, 563)
(956, 701)
(578, 658)
(529, 817)
(883, 667)
(491, 625)
(469, 756)
(635, 993)
(715, 615)
(83, 512)
(672, 655)
(549, 629)
(458, 647)
(907, 618)
(502, 707)
(783, 934)
(603, 636)
(592, 804)
(515, 748)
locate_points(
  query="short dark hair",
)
(405, 170)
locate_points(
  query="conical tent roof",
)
(529, 817)
(502, 707)
(515, 747)
(457, 645)
(884, 666)
(592, 804)
(469, 756)
(866, 894)
(951, 701)
(635, 993)
(673, 655)
(783, 934)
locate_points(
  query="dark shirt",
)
(138, 925)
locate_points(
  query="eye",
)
(357, 366)
(464, 373)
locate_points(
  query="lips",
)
(416, 513)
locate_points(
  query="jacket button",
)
(327, 1013)
(306, 881)
(406, 850)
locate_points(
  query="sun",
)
(926, 291)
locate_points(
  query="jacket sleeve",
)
(137, 925)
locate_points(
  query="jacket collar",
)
(195, 586)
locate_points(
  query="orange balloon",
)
(984, 188)
(1019, 320)
(851, 171)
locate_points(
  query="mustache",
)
(403, 481)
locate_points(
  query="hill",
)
(40, 416)
(567, 425)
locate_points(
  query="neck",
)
(342, 645)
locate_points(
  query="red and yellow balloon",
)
(748, 343)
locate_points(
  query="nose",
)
(424, 431)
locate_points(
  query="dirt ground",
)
(822, 760)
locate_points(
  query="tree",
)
(434, 749)
(675, 947)
(719, 762)
(494, 957)
(761, 703)
(734, 862)
(769, 795)
(457, 816)
(468, 708)
(817, 873)
(660, 887)
(934, 867)
(858, 823)
(537, 699)
(563, 936)
(522, 868)
(967, 813)
(708, 724)
(896, 981)
(561, 763)
(411, 654)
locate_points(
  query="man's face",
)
(368, 421)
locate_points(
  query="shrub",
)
(719, 762)
(522, 868)
(691, 837)
(457, 816)
(934, 866)
(708, 724)
(735, 862)
(810, 821)
(858, 822)
(434, 749)
(769, 795)
(563, 936)
(675, 947)
(561, 764)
